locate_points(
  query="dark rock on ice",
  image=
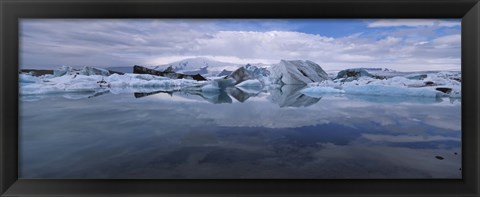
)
(444, 90)
(197, 77)
(143, 70)
(116, 72)
(37, 73)
(456, 79)
(439, 157)
(429, 83)
(354, 72)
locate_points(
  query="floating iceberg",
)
(258, 72)
(87, 70)
(95, 83)
(250, 83)
(210, 88)
(419, 85)
(241, 74)
(354, 72)
(251, 80)
(26, 78)
(297, 72)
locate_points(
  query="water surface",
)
(276, 133)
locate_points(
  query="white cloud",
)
(448, 39)
(50, 43)
(412, 23)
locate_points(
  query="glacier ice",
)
(250, 83)
(354, 73)
(86, 70)
(210, 88)
(115, 82)
(297, 72)
(250, 80)
(26, 78)
(407, 85)
(240, 75)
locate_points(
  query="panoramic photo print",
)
(240, 99)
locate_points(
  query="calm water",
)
(279, 133)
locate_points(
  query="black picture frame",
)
(12, 10)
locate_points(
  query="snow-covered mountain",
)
(198, 63)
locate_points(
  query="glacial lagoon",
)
(275, 133)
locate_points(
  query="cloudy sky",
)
(403, 44)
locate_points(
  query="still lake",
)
(279, 133)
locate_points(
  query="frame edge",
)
(6, 183)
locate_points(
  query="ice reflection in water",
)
(245, 133)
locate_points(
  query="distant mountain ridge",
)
(191, 64)
(197, 65)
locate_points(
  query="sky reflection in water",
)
(279, 133)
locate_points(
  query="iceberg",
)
(250, 83)
(87, 70)
(95, 83)
(297, 72)
(360, 82)
(240, 75)
(354, 72)
(210, 88)
(258, 72)
(224, 73)
(313, 83)
(26, 78)
(62, 71)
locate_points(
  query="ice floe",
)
(312, 80)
